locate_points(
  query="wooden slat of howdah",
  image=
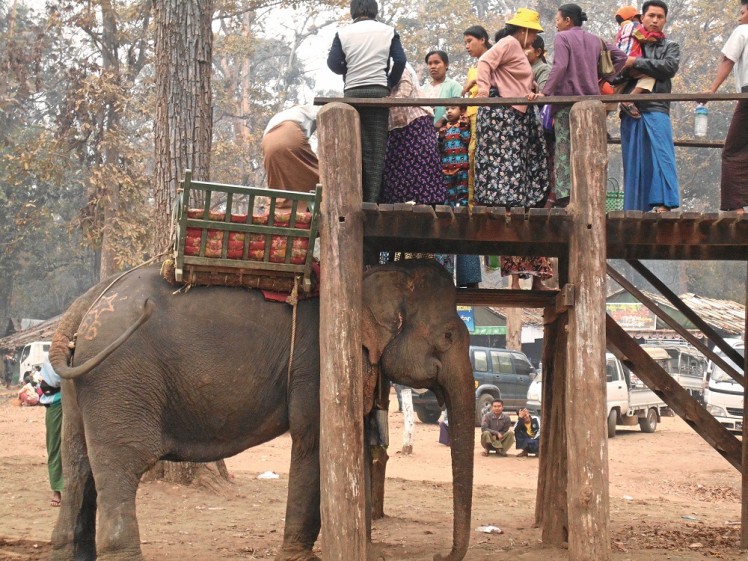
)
(496, 231)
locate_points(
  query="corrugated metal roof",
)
(725, 315)
(40, 332)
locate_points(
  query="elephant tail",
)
(70, 372)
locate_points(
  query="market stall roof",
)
(40, 332)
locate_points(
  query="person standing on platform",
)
(361, 53)
(574, 72)
(511, 158)
(649, 173)
(439, 85)
(734, 184)
(476, 43)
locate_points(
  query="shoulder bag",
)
(605, 67)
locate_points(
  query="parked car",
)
(723, 396)
(683, 363)
(629, 401)
(498, 374)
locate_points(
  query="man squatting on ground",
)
(497, 434)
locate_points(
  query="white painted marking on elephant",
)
(409, 422)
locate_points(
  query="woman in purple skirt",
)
(412, 164)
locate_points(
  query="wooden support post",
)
(744, 499)
(551, 512)
(513, 328)
(409, 422)
(341, 357)
(587, 446)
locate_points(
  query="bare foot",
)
(56, 498)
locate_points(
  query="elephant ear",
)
(383, 307)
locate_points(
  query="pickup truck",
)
(629, 401)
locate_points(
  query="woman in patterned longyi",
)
(412, 164)
(511, 162)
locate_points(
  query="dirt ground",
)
(672, 497)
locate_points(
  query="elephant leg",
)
(74, 534)
(302, 507)
(117, 471)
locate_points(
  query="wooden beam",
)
(488, 231)
(505, 298)
(551, 100)
(683, 308)
(342, 505)
(565, 298)
(668, 390)
(587, 443)
(678, 328)
(551, 504)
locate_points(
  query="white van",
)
(629, 401)
(684, 363)
(723, 396)
(35, 353)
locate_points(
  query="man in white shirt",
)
(290, 163)
(361, 52)
(734, 184)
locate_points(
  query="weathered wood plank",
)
(552, 512)
(661, 383)
(587, 447)
(505, 298)
(343, 498)
(631, 235)
(552, 100)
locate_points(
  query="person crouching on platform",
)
(497, 434)
(527, 433)
(290, 163)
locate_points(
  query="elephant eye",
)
(448, 336)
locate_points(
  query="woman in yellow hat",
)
(511, 160)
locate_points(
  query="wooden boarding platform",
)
(572, 503)
(496, 231)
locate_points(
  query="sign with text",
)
(632, 316)
(466, 315)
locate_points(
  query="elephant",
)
(149, 383)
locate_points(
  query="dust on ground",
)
(671, 497)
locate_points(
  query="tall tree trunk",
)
(184, 124)
(183, 130)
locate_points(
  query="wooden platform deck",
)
(496, 231)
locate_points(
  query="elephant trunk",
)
(460, 399)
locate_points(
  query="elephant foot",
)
(67, 553)
(128, 555)
(296, 555)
